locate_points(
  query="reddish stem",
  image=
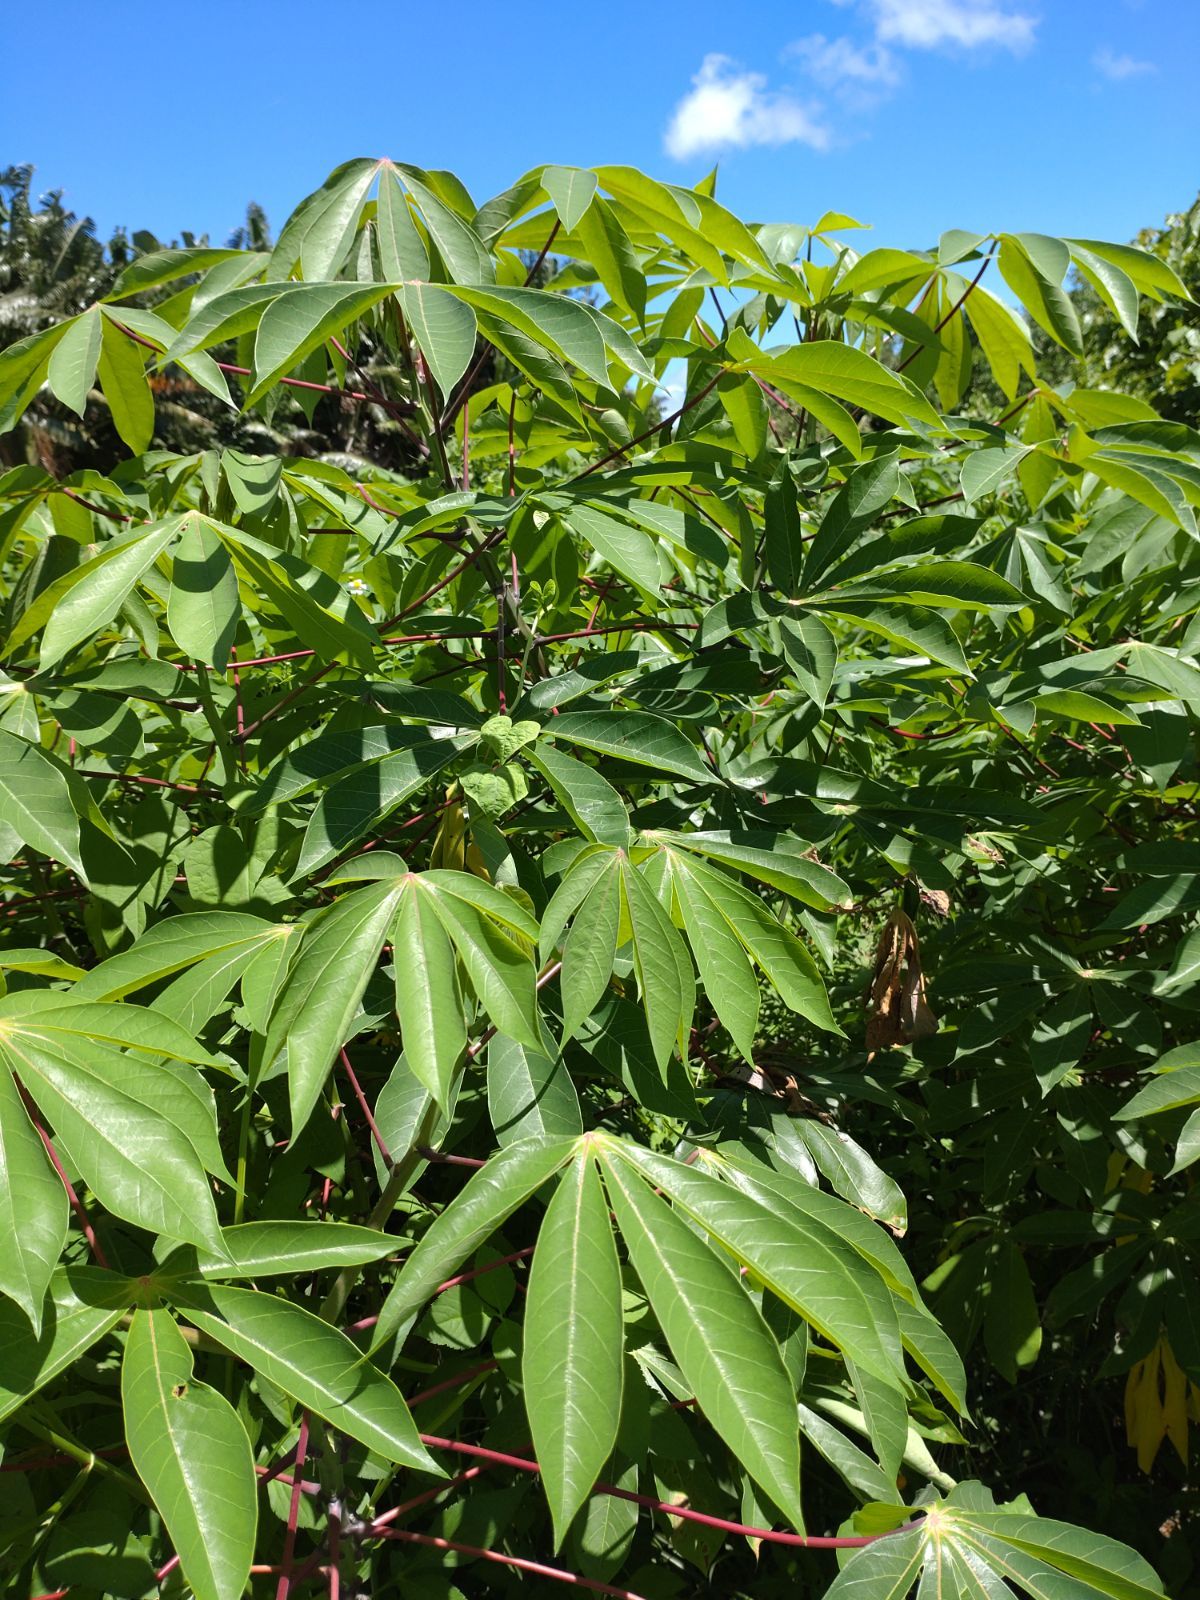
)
(81, 1215)
(455, 1382)
(908, 360)
(538, 1568)
(499, 1458)
(289, 1541)
(380, 1142)
(649, 433)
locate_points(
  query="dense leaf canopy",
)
(600, 986)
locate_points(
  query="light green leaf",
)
(725, 970)
(191, 1451)
(127, 1125)
(88, 597)
(315, 1010)
(591, 802)
(84, 1303)
(72, 370)
(444, 328)
(485, 1200)
(807, 1266)
(314, 1363)
(35, 802)
(271, 1249)
(572, 1361)
(351, 807)
(297, 323)
(571, 191)
(170, 945)
(429, 1005)
(589, 950)
(627, 549)
(203, 607)
(530, 1092)
(33, 1208)
(401, 249)
(123, 380)
(634, 736)
(666, 987)
(501, 971)
(727, 1355)
(848, 375)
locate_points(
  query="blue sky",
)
(1076, 117)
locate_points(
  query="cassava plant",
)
(497, 955)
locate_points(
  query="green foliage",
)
(443, 878)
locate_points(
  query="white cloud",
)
(926, 24)
(836, 63)
(1120, 67)
(728, 108)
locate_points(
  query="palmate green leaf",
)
(560, 325)
(429, 1005)
(296, 324)
(854, 1175)
(825, 1281)
(271, 1249)
(83, 1305)
(203, 607)
(1023, 1547)
(319, 611)
(444, 328)
(1033, 266)
(314, 1012)
(127, 1125)
(590, 949)
(401, 249)
(33, 1208)
(333, 754)
(787, 964)
(724, 1349)
(1003, 337)
(627, 549)
(481, 1206)
(336, 196)
(170, 945)
(191, 1451)
(572, 1360)
(942, 583)
(571, 192)
(912, 627)
(609, 250)
(811, 651)
(460, 247)
(634, 736)
(71, 1019)
(530, 1092)
(666, 987)
(72, 370)
(771, 858)
(83, 600)
(592, 803)
(500, 970)
(314, 1363)
(848, 375)
(36, 803)
(1176, 1084)
(349, 809)
(122, 372)
(885, 1570)
(725, 970)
